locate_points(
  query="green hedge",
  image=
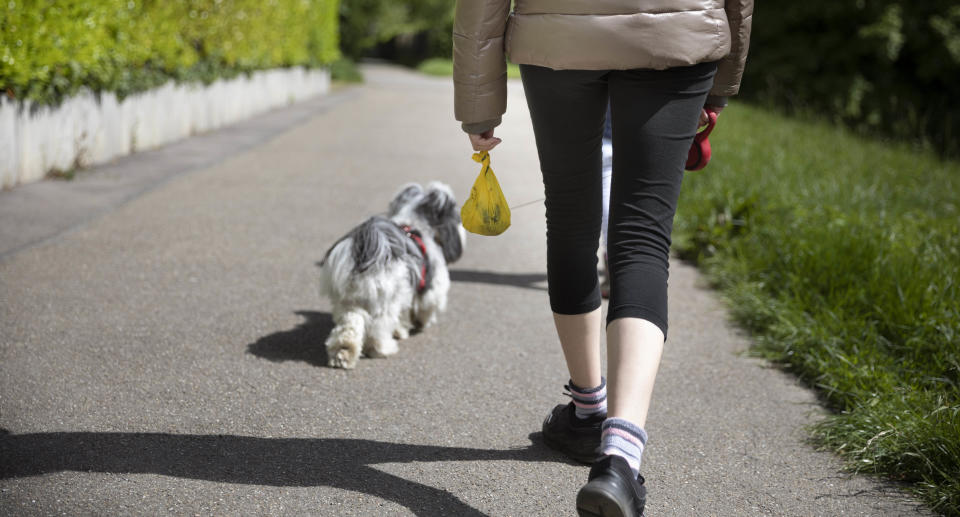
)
(51, 48)
(887, 67)
(842, 255)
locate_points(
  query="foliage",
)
(842, 256)
(51, 48)
(880, 66)
(364, 24)
(885, 67)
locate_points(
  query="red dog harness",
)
(415, 235)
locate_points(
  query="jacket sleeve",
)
(730, 70)
(479, 63)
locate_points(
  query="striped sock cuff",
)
(622, 438)
(589, 401)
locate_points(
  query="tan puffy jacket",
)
(589, 35)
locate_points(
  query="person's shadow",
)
(345, 464)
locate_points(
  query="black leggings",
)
(654, 115)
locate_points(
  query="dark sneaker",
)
(578, 439)
(612, 491)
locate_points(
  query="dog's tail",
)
(346, 339)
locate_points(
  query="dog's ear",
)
(438, 206)
(407, 195)
(449, 237)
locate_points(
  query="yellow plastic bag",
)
(486, 212)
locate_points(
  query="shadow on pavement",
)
(295, 462)
(304, 343)
(525, 280)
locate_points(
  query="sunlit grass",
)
(444, 67)
(842, 256)
(345, 70)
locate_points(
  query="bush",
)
(881, 66)
(407, 31)
(49, 49)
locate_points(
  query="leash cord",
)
(528, 203)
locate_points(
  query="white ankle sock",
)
(589, 402)
(623, 438)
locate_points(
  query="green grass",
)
(345, 70)
(444, 67)
(842, 257)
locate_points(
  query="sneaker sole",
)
(596, 502)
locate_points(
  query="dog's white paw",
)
(343, 358)
(401, 333)
(382, 348)
(425, 318)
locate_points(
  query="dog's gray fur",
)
(372, 274)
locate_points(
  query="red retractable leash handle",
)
(699, 154)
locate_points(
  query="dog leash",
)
(528, 203)
(697, 157)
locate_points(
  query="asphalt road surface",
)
(161, 349)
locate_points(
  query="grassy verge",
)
(842, 257)
(444, 67)
(345, 70)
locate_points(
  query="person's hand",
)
(484, 141)
(704, 118)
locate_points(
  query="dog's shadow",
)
(340, 463)
(303, 343)
(306, 341)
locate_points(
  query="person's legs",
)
(654, 115)
(567, 110)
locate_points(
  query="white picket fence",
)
(85, 131)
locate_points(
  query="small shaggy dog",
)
(389, 275)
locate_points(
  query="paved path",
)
(161, 346)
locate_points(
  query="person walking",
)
(659, 65)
